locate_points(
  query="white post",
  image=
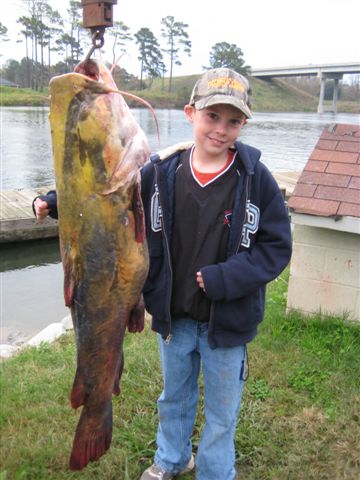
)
(322, 94)
(335, 95)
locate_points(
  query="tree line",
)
(44, 32)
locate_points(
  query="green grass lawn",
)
(10, 96)
(300, 415)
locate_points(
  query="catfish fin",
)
(69, 278)
(139, 216)
(127, 172)
(119, 370)
(78, 392)
(136, 319)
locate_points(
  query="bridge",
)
(323, 72)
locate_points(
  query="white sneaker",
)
(157, 473)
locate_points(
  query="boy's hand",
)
(200, 280)
(41, 209)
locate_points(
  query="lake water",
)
(31, 273)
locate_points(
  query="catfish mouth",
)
(88, 68)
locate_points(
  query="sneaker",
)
(157, 473)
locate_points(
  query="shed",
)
(325, 212)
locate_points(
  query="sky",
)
(270, 33)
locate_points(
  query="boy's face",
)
(216, 128)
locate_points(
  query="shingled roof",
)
(330, 182)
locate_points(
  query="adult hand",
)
(41, 209)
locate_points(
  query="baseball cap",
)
(221, 85)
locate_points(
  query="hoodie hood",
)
(248, 155)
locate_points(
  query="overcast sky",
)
(270, 32)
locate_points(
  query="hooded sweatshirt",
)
(258, 248)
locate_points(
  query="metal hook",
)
(97, 40)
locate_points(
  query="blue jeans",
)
(223, 374)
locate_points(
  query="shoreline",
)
(352, 109)
(47, 335)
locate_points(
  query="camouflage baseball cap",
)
(222, 85)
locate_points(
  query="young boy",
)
(217, 232)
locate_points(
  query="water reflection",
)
(173, 127)
(287, 139)
(15, 256)
(32, 298)
(25, 148)
(31, 288)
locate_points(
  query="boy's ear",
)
(189, 112)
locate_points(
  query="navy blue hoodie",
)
(259, 249)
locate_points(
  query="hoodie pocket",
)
(241, 315)
(156, 259)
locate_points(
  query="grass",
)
(10, 96)
(299, 419)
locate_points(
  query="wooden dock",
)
(286, 181)
(17, 221)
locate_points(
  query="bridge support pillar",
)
(336, 77)
(335, 94)
(322, 94)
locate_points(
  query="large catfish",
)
(98, 150)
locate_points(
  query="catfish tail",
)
(92, 438)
